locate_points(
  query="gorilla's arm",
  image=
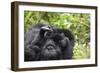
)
(29, 54)
(32, 42)
(68, 53)
(68, 40)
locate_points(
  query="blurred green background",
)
(78, 23)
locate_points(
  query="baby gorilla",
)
(44, 42)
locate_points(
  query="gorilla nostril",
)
(50, 47)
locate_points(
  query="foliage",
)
(78, 23)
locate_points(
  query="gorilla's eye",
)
(57, 37)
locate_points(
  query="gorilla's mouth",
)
(50, 50)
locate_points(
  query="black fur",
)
(44, 42)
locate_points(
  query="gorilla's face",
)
(54, 42)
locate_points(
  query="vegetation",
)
(78, 23)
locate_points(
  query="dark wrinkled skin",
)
(44, 42)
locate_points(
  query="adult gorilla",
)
(45, 42)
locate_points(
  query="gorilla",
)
(45, 42)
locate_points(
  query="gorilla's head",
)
(53, 43)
